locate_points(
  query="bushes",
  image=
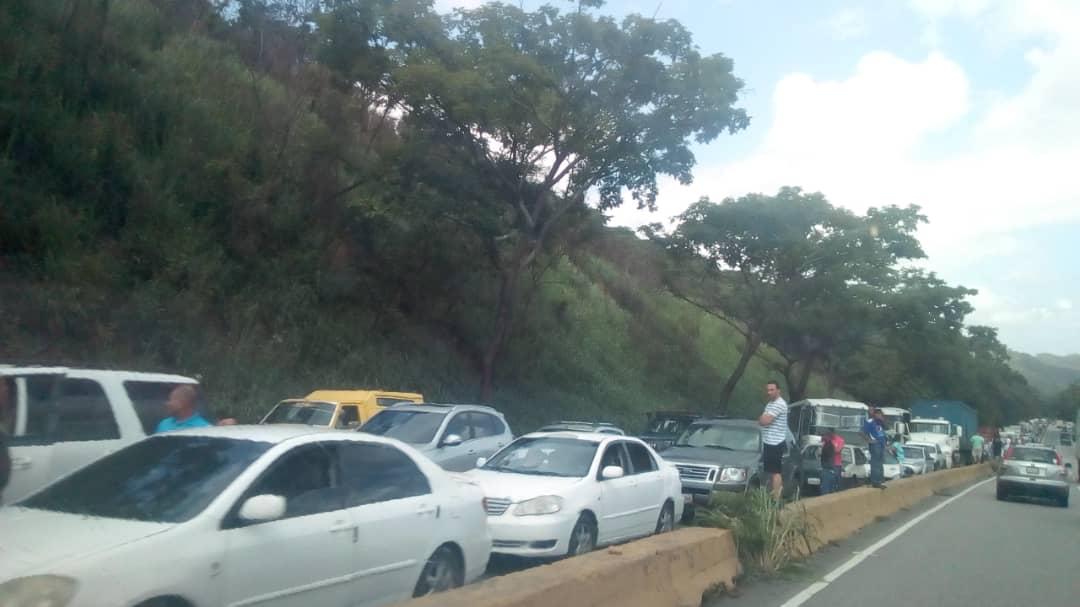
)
(767, 534)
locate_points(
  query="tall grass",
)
(768, 535)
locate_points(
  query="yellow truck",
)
(345, 409)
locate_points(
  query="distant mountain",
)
(1048, 373)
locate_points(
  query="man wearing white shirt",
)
(774, 433)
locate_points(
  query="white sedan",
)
(245, 515)
(553, 494)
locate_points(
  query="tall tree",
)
(802, 273)
(521, 117)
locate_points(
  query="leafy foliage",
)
(768, 535)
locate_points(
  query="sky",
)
(968, 108)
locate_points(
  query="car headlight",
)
(732, 475)
(38, 591)
(545, 504)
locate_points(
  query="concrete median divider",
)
(669, 570)
(676, 569)
(839, 515)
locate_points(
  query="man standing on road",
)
(774, 432)
(977, 447)
(181, 409)
(832, 448)
(996, 448)
(874, 428)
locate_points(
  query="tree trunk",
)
(798, 378)
(750, 347)
(504, 316)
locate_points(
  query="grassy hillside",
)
(1048, 373)
(599, 340)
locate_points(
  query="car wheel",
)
(666, 521)
(1001, 495)
(688, 514)
(583, 537)
(1063, 499)
(443, 571)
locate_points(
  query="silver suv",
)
(453, 436)
(1033, 471)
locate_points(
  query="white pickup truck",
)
(60, 419)
(939, 432)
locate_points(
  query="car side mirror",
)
(262, 508)
(452, 440)
(1068, 465)
(612, 472)
(480, 461)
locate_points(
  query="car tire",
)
(688, 514)
(583, 537)
(666, 521)
(442, 571)
(1001, 494)
(1063, 499)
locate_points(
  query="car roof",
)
(347, 396)
(832, 402)
(584, 436)
(280, 433)
(444, 407)
(83, 373)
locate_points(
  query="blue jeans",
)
(830, 479)
(877, 463)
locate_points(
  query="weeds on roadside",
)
(768, 535)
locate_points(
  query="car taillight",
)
(1008, 453)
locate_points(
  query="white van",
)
(60, 419)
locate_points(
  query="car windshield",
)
(165, 479)
(1026, 454)
(407, 425)
(931, 427)
(721, 436)
(667, 425)
(309, 414)
(545, 456)
(913, 452)
(568, 428)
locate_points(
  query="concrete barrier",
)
(675, 569)
(839, 515)
(670, 570)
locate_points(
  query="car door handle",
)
(340, 526)
(21, 462)
(427, 510)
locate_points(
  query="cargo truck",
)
(948, 423)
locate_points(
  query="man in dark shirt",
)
(828, 456)
(874, 428)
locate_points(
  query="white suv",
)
(60, 419)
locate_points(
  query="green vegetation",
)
(1047, 373)
(768, 535)
(281, 196)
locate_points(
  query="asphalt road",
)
(971, 551)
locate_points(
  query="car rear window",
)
(1027, 454)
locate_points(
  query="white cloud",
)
(1064, 304)
(846, 24)
(446, 6)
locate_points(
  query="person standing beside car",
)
(181, 409)
(874, 428)
(977, 447)
(832, 448)
(774, 433)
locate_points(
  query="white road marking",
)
(851, 563)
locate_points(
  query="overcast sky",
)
(968, 108)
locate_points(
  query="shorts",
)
(773, 458)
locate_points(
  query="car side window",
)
(485, 424)
(81, 412)
(640, 458)
(148, 398)
(307, 477)
(459, 424)
(614, 455)
(373, 473)
(349, 417)
(860, 457)
(846, 456)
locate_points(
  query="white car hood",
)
(518, 487)
(33, 541)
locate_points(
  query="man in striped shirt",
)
(774, 432)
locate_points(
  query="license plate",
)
(1034, 471)
(813, 481)
(687, 499)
